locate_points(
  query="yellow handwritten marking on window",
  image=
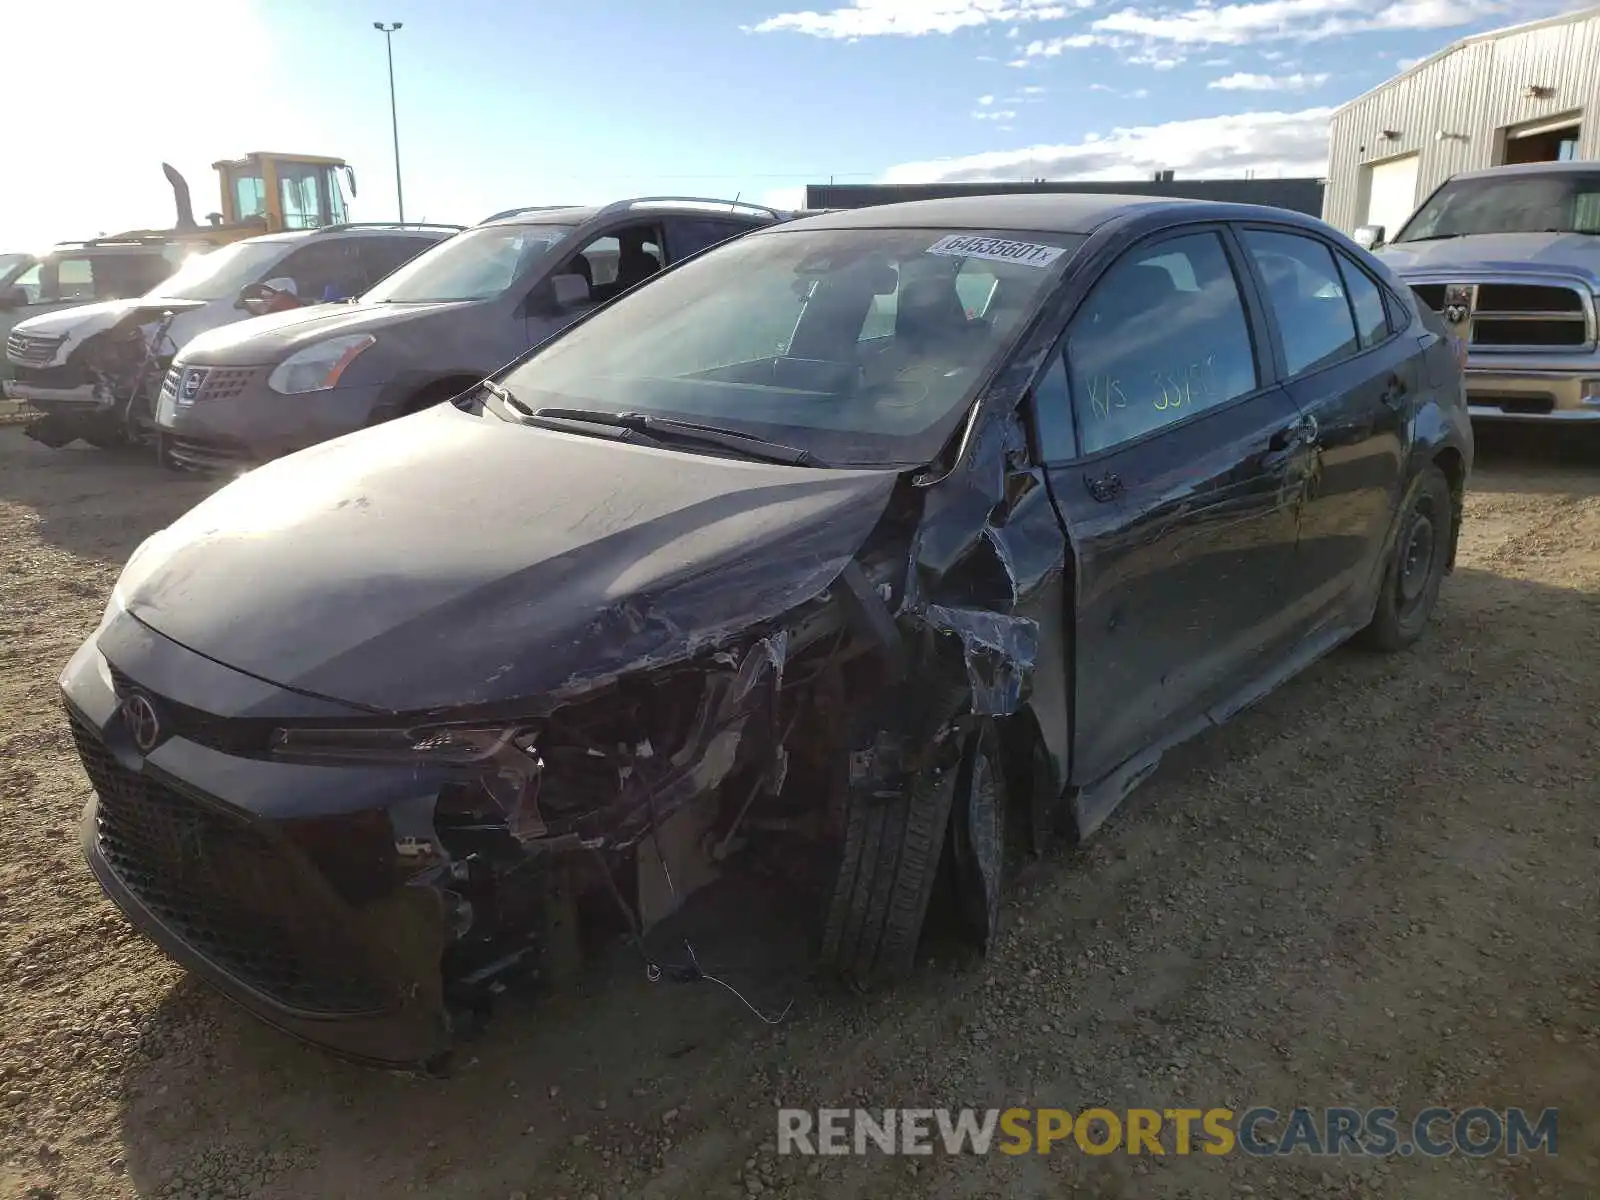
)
(1105, 393)
(1185, 386)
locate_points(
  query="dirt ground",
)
(1378, 887)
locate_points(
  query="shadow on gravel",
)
(613, 1047)
(1531, 459)
(97, 504)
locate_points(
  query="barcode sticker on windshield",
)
(966, 245)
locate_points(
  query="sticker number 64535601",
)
(966, 245)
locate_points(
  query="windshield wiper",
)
(747, 444)
(1429, 237)
(506, 398)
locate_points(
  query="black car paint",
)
(626, 555)
(1014, 582)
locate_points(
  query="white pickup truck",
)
(1510, 258)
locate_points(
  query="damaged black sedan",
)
(856, 542)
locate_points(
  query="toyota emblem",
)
(143, 724)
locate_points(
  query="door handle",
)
(1300, 432)
(1104, 488)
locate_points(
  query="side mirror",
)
(1369, 237)
(259, 298)
(13, 297)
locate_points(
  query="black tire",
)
(888, 866)
(1416, 568)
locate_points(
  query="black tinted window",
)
(1307, 295)
(690, 235)
(1052, 413)
(380, 255)
(1162, 335)
(1372, 320)
(322, 270)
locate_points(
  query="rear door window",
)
(322, 271)
(1163, 334)
(1307, 295)
(381, 255)
(690, 235)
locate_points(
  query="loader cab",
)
(284, 191)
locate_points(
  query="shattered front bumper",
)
(290, 896)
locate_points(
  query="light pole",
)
(394, 120)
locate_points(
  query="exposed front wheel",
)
(1416, 566)
(888, 862)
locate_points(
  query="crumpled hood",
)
(83, 320)
(269, 339)
(447, 559)
(1501, 253)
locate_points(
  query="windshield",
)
(476, 265)
(12, 265)
(863, 346)
(219, 274)
(1564, 203)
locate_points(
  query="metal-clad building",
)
(1301, 195)
(1528, 93)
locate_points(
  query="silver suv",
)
(1510, 258)
(437, 326)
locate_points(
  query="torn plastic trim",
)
(999, 653)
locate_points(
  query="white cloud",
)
(995, 114)
(1055, 47)
(1161, 38)
(985, 100)
(1242, 81)
(1034, 91)
(1268, 144)
(1405, 64)
(1238, 24)
(912, 18)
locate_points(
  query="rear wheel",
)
(1416, 566)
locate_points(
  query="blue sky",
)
(505, 102)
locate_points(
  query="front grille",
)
(1519, 316)
(210, 384)
(234, 893)
(31, 349)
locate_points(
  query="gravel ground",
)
(1378, 887)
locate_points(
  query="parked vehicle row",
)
(92, 369)
(849, 547)
(187, 361)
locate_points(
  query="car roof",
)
(685, 206)
(1045, 212)
(1566, 167)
